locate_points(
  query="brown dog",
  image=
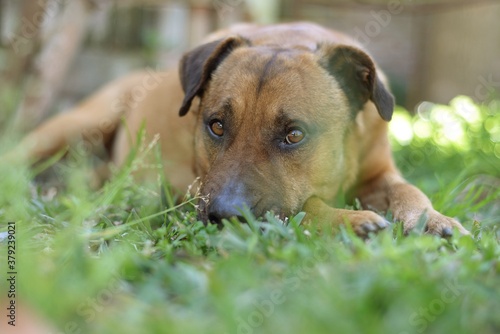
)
(280, 118)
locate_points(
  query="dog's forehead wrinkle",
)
(278, 71)
(265, 72)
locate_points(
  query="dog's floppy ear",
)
(357, 76)
(197, 66)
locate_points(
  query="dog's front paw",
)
(365, 222)
(438, 224)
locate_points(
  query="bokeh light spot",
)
(401, 128)
(422, 129)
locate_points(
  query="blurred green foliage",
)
(460, 136)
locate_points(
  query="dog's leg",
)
(362, 222)
(93, 121)
(389, 192)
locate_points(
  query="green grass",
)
(119, 261)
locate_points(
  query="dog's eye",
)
(294, 137)
(216, 127)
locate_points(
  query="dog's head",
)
(272, 121)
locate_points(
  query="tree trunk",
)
(26, 41)
(52, 64)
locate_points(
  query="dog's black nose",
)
(224, 208)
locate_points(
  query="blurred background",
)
(55, 52)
